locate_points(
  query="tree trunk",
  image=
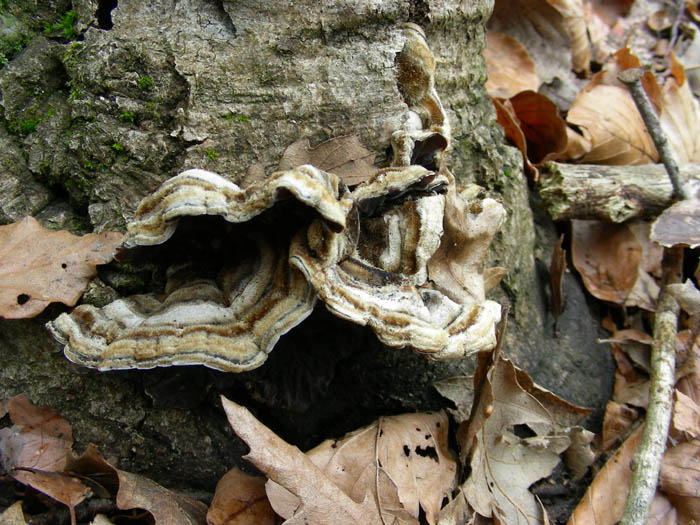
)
(95, 120)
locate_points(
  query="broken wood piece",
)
(609, 193)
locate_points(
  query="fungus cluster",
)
(401, 252)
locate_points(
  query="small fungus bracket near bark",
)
(401, 253)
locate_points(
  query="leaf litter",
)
(39, 266)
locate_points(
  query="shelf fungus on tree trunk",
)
(230, 291)
(402, 253)
(409, 263)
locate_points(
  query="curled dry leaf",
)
(511, 69)
(574, 19)
(345, 157)
(556, 273)
(40, 266)
(533, 123)
(686, 415)
(137, 492)
(240, 499)
(617, 423)
(679, 224)
(687, 295)
(503, 465)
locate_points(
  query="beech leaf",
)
(532, 122)
(345, 157)
(680, 117)
(510, 68)
(607, 256)
(240, 499)
(610, 121)
(39, 266)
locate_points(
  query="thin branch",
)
(647, 462)
(632, 78)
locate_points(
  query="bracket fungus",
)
(227, 316)
(401, 252)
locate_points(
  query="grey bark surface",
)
(224, 86)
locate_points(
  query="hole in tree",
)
(64, 265)
(22, 298)
(104, 13)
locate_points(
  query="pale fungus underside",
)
(400, 252)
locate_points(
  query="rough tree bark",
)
(145, 90)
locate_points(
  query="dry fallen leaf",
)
(573, 14)
(541, 29)
(137, 492)
(503, 464)
(686, 415)
(322, 501)
(601, 504)
(556, 273)
(39, 266)
(532, 122)
(13, 515)
(35, 449)
(679, 224)
(680, 116)
(609, 119)
(39, 439)
(617, 422)
(607, 256)
(240, 499)
(680, 471)
(345, 157)
(167, 507)
(395, 467)
(510, 68)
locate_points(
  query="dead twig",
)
(632, 78)
(647, 462)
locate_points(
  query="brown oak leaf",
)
(39, 266)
